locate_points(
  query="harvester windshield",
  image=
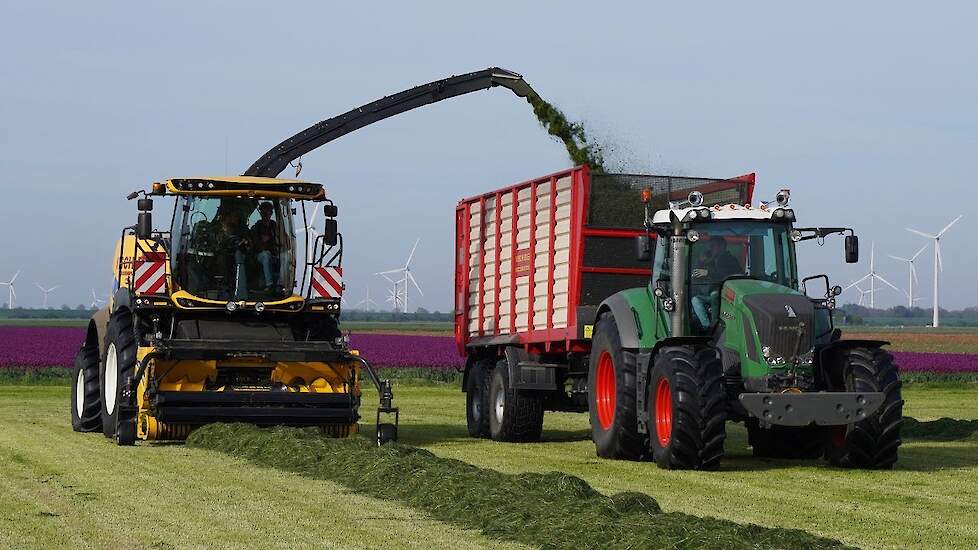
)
(231, 248)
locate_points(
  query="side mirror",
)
(144, 224)
(330, 210)
(643, 248)
(852, 249)
(836, 290)
(330, 236)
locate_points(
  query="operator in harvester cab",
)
(715, 265)
(265, 235)
(232, 244)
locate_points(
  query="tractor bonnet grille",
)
(777, 328)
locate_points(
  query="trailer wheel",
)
(86, 407)
(871, 443)
(116, 367)
(798, 442)
(611, 395)
(477, 398)
(513, 416)
(688, 409)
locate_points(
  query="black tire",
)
(121, 345)
(614, 421)
(86, 404)
(796, 442)
(871, 443)
(513, 416)
(690, 432)
(386, 433)
(477, 398)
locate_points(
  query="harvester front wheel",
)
(477, 398)
(513, 416)
(86, 407)
(687, 409)
(784, 441)
(117, 366)
(871, 443)
(611, 395)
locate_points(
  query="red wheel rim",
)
(605, 390)
(663, 412)
(839, 436)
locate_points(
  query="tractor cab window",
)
(759, 250)
(230, 248)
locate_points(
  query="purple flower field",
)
(56, 346)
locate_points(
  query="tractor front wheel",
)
(871, 443)
(86, 407)
(611, 395)
(687, 409)
(513, 416)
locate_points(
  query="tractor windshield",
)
(756, 249)
(231, 248)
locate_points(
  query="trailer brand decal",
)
(588, 331)
(522, 262)
(150, 275)
(327, 282)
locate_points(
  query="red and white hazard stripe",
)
(149, 275)
(327, 282)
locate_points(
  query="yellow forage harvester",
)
(214, 320)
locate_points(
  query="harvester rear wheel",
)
(116, 367)
(477, 398)
(871, 443)
(784, 441)
(513, 416)
(687, 409)
(611, 395)
(86, 406)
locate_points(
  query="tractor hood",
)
(778, 322)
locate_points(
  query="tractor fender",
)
(471, 358)
(625, 319)
(121, 299)
(98, 329)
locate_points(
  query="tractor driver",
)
(265, 234)
(718, 264)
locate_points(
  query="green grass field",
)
(62, 489)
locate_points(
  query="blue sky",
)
(867, 111)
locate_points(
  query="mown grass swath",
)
(551, 510)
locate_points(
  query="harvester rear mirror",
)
(852, 249)
(643, 248)
(144, 226)
(329, 232)
(330, 210)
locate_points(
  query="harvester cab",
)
(216, 320)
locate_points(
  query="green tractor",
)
(726, 331)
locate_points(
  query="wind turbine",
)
(394, 297)
(862, 294)
(938, 265)
(913, 273)
(96, 301)
(11, 293)
(46, 291)
(872, 277)
(407, 276)
(367, 301)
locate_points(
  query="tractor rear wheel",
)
(871, 443)
(86, 407)
(784, 441)
(477, 398)
(687, 409)
(513, 416)
(116, 368)
(611, 395)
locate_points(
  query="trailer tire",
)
(513, 416)
(612, 394)
(117, 366)
(871, 443)
(477, 398)
(687, 409)
(86, 406)
(796, 442)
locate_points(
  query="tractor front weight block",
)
(802, 409)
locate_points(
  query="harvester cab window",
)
(232, 248)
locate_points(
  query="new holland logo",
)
(790, 311)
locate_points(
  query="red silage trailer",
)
(533, 263)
